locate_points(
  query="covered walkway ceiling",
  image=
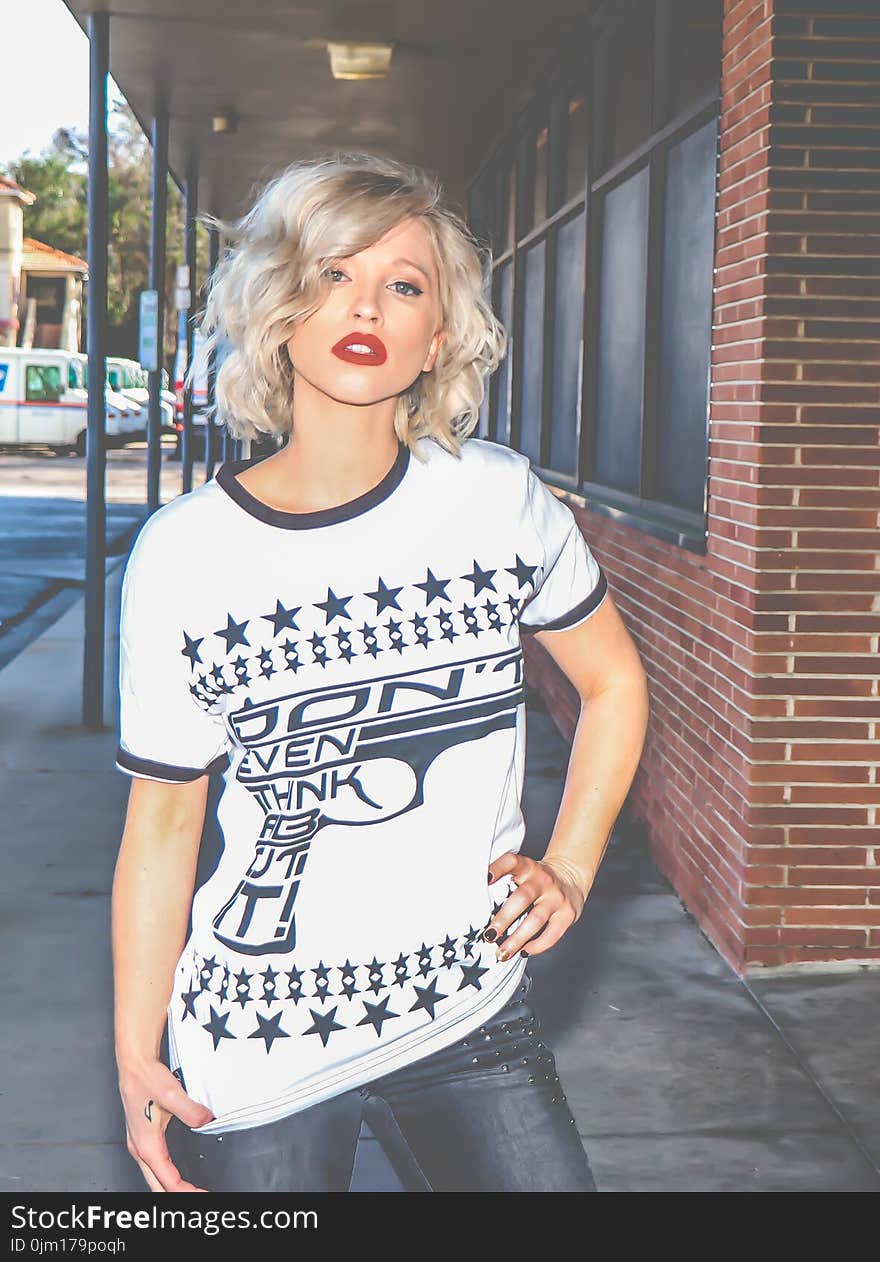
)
(459, 69)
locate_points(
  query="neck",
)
(335, 452)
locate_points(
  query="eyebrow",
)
(415, 265)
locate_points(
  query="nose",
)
(365, 305)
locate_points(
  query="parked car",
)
(200, 397)
(128, 377)
(129, 411)
(43, 399)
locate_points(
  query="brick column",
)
(758, 789)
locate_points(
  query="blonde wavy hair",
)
(271, 274)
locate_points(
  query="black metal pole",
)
(158, 221)
(212, 434)
(96, 332)
(191, 193)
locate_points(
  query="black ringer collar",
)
(226, 477)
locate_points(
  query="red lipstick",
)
(374, 354)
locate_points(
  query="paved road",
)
(43, 524)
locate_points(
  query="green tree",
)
(58, 178)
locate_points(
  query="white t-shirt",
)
(357, 675)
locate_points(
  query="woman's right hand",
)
(151, 1095)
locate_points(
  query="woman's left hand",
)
(552, 888)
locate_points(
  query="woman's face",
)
(388, 292)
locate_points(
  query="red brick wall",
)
(758, 788)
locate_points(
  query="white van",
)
(130, 419)
(129, 378)
(43, 399)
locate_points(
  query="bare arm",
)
(152, 891)
(601, 660)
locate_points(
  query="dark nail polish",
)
(490, 935)
(524, 953)
(490, 879)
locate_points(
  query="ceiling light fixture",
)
(359, 61)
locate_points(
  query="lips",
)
(374, 354)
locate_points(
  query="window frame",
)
(582, 65)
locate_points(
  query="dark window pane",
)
(531, 352)
(631, 82)
(505, 207)
(504, 311)
(621, 343)
(542, 149)
(696, 50)
(524, 189)
(575, 144)
(42, 383)
(568, 311)
(685, 330)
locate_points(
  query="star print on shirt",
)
(371, 644)
(472, 627)
(385, 597)
(376, 1014)
(427, 997)
(269, 1029)
(343, 639)
(471, 974)
(233, 633)
(216, 1027)
(191, 649)
(282, 618)
(323, 1024)
(189, 1001)
(521, 572)
(242, 988)
(207, 972)
(480, 579)
(434, 588)
(419, 623)
(333, 606)
(395, 635)
(291, 655)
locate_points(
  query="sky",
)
(45, 81)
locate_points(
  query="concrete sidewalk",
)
(681, 1077)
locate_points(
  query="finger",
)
(154, 1151)
(539, 885)
(515, 905)
(503, 865)
(558, 924)
(156, 1186)
(176, 1101)
(533, 924)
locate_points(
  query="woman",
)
(337, 628)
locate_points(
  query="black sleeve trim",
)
(126, 761)
(586, 606)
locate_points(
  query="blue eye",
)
(413, 290)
